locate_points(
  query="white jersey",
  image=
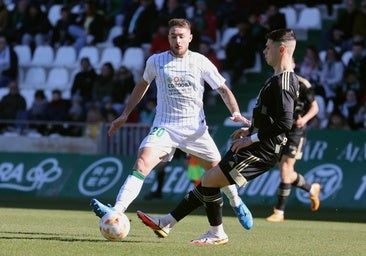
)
(180, 87)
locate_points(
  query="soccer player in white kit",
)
(180, 120)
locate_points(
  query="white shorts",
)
(197, 142)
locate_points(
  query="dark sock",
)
(300, 182)
(213, 202)
(283, 193)
(190, 202)
(160, 178)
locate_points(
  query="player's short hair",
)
(179, 23)
(281, 35)
(284, 36)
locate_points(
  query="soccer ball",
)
(114, 226)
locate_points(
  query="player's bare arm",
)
(231, 103)
(313, 111)
(135, 97)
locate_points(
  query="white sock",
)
(311, 190)
(280, 212)
(128, 192)
(218, 230)
(168, 221)
(232, 194)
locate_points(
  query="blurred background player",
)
(306, 109)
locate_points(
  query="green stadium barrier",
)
(336, 159)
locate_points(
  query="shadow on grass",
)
(163, 207)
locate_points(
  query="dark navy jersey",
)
(275, 107)
(306, 97)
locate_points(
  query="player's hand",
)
(300, 122)
(240, 118)
(237, 144)
(116, 124)
(239, 133)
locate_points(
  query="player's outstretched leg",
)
(100, 209)
(244, 215)
(314, 196)
(210, 239)
(154, 223)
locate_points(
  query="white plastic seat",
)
(28, 94)
(35, 78)
(43, 56)
(54, 13)
(322, 55)
(134, 59)
(159, 4)
(112, 33)
(290, 16)
(227, 34)
(257, 68)
(346, 56)
(91, 52)
(65, 56)
(112, 55)
(58, 78)
(24, 54)
(309, 18)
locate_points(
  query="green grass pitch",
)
(56, 228)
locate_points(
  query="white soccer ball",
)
(114, 226)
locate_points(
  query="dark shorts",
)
(248, 163)
(295, 144)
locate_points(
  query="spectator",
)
(204, 22)
(8, 62)
(331, 74)
(337, 121)
(60, 33)
(107, 110)
(123, 84)
(357, 62)
(4, 17)
(36, 27)
(16, 22)
(240, 52)
(172, 9)
(89, 28)
(93, 121)
(226, 12)
(350, 83)
(37, 111)
(359, 26)
(274, 19)
(57, 111)
(139, 26)
(82, 84)
(112, 10)
(147, 113)
(257, 31)
(103, 86)
(76, 114)
(349, 108)
(310, 66)
(160, 42)
(11, 104)
(340, 35)
(360, 117)
(209, 95)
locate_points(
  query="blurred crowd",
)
(99, 95)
